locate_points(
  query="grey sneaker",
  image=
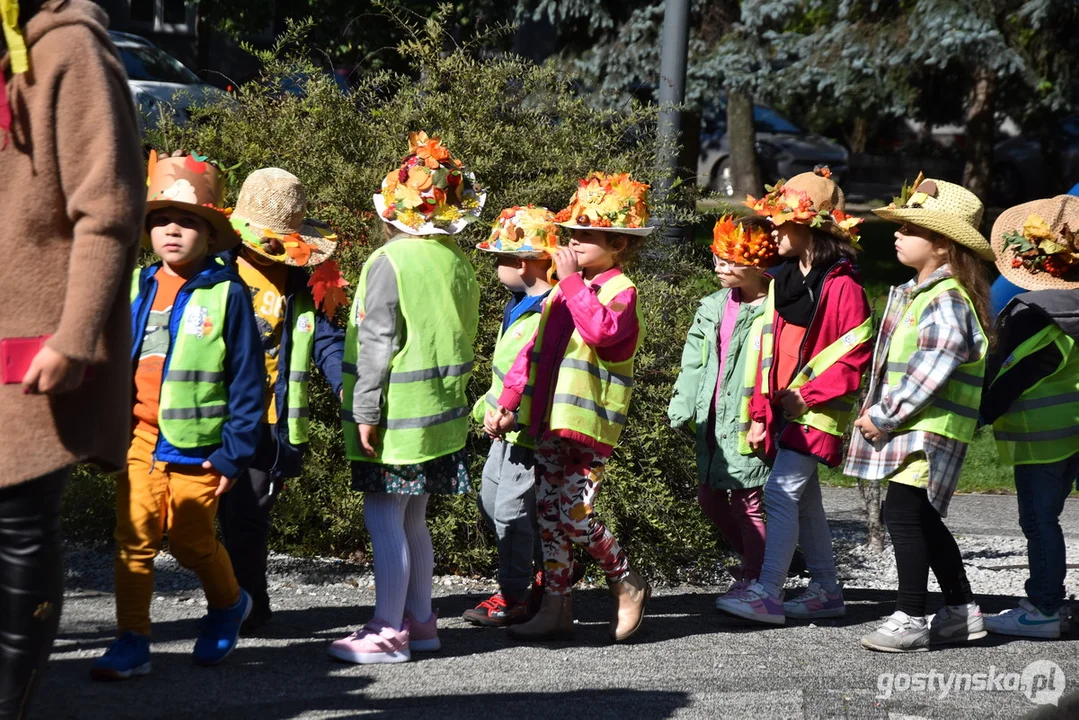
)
(956, 624)
(899, 633)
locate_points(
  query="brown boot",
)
(554, 621)
(628, 597)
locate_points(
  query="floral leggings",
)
(568, 478)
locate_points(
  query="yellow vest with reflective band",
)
(953, 412)
(509, 346)
(302, 341)
(749, 382)
(591, 395)
(425, 410)
(1042, 426)
(194, 397)
(831, 417)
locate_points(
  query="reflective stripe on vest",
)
(749, 383)
(1042, 426)
(302, 342)
(831, 417)
(591, 395)
(509, 346)
(953, 411)
(425, 410)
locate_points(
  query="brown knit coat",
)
(72, 194)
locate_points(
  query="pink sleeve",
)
(845, 376)
(601, 325)
(513, 386)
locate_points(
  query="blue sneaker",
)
(128, 655)
(220, 631)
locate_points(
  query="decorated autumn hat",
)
(610, 203)
(811, 198)
(523, 232)
(744, 242)
(1036, 244)
(431, 192)
(191, 183)
(269, 216)
(943, 207)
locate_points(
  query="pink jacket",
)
(575, 305)
(842, 307)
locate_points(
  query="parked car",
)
(160, 84)
(783, 150)
(1017, 166)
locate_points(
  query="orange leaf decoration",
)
(151, 166)
(742, 245)
(327, 288)
(297, 249)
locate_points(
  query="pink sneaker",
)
(375, 642)
(816, 603)
(423, 637)
(753, 603)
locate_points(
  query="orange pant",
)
(150, 499)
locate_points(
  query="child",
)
(523, 240)
(1030, 399)
(408, 358)
(921, 408)
(713, 389)
(814, 348)
(196, 416)
(586, 342)
(295, 328)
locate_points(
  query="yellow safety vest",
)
(509, 346)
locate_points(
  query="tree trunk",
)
(981, 134)
(870, 490)
(859, 135)
(742, 137)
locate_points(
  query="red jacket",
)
(843, 306)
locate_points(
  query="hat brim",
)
(520, 254)
(1013, 219)
(944, 223)
(251, 233)
(225, 236)
(430, 228)
(640, 232)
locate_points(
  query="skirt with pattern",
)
(446, 475)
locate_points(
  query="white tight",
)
(404, 557)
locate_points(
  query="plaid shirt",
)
(948, 336)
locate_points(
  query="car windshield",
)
(767, 120)
(143, 62)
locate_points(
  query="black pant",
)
(31, 585)
(244, 514)
(921, 541)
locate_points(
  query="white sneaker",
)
(815, 603)
(956, 624)
(900, 633)
(1025, 621)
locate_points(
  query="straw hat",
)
(269, 216)
(529, 233)
(608, 203)
(744, 242)
(193, 184)
(810, 198)
(1036, 246)
(430, 192)
(945, 208)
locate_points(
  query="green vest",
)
(302, 341)
(194, 396)
(591, 395)
(508, 347)
(425, 411)
(1042, 426)
(953, 411)
(831, 417)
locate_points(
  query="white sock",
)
(384, 517)
(422, 558)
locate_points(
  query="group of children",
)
(228, 323)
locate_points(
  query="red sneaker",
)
(496, 611)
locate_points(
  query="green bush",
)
(528, 137)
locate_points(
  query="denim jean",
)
(1041, 491)
(795, 507)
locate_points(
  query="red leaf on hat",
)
(195, 165)
(327, 288)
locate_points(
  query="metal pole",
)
(672, 93)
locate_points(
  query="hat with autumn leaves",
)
(613, 203)
(943, 207)
(193, 183)
(1037, 244)
(810, 198)
(746, 241)
(528, 233)
(430, 192)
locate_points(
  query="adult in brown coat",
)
(72, 190)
